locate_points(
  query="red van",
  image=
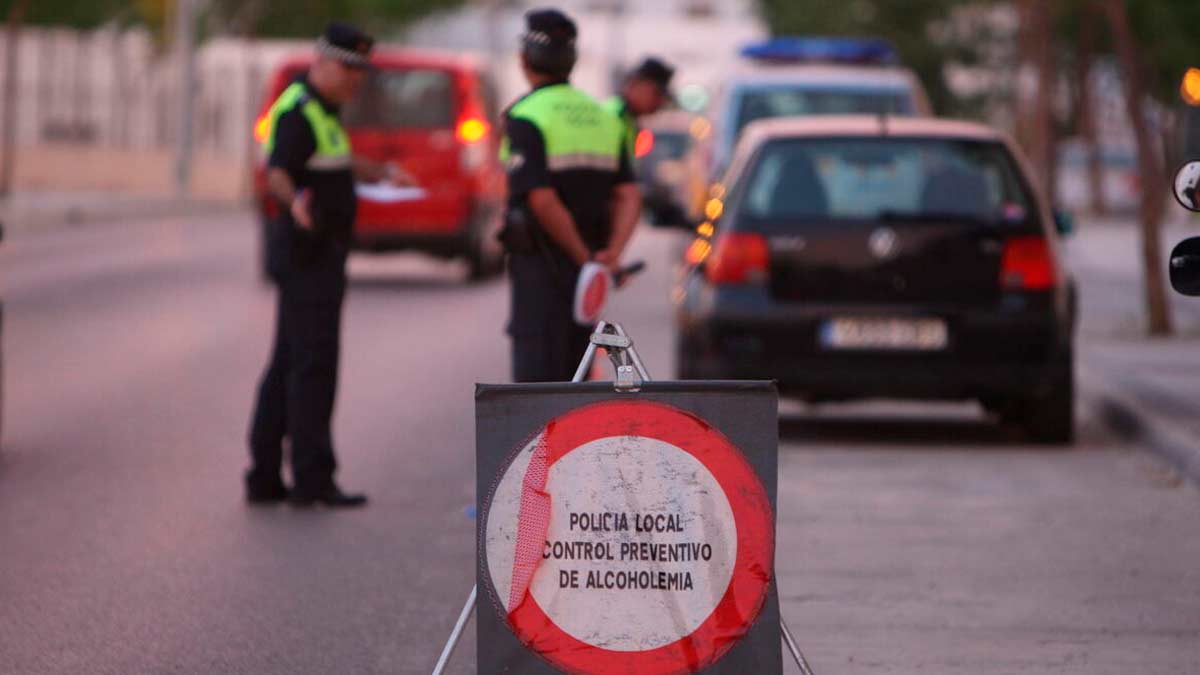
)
(434, 114)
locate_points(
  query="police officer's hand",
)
(302, 210)
(610, 259)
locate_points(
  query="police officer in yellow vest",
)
(571, 199)
(311, 173)
(646, 90)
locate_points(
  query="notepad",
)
(385, 192)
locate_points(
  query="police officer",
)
(571, 199)
(311, 173)
(646, 90)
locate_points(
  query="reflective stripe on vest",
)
(333, 144)
(577, 131)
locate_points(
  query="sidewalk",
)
(28, 211)
(1148, 389)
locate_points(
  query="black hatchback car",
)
(861, 257)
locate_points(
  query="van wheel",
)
(485, 257)
(1050, 417)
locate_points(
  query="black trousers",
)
(547, 344)
(296, 395)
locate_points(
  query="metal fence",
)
(118, 89)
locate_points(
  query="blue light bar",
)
(823, 50)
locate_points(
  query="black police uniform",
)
(547, 344)
(296, 396)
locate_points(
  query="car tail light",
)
(1027, 264)
(738, 258)
(644, 143)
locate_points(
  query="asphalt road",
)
(911, 538)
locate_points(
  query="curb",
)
(1132, 421)
(70, 216)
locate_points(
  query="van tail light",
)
(738, 258)
(1027, 264)
(472, 130)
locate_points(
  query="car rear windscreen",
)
(768, 103)
(884, 179)
(403, 99)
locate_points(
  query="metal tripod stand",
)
(630, 373)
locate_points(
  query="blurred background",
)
(913, 536)
(170, 89)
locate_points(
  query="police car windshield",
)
(885, 179)
(397, 99)
(790, 102)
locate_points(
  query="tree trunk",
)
(1149, 166)
(1086, 114)
(12, 33)
(1035, 126)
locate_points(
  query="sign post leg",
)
(790, 641)
(455, 634)
(469, 607)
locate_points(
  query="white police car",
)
(794, 76)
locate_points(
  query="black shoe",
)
(330, 496)
(258, 494)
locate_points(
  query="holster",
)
(519, 234)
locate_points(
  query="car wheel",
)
(1050, 417)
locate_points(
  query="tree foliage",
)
(267, 18)
(72, 13)
(306, 18)
(1168, 32)
(908, 25)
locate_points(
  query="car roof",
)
(821, 74)
(866, 125)
(401, 57)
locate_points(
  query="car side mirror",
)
(1187, 181)
(1064, 223)
(1185, 267)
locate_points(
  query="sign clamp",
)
(630, 374)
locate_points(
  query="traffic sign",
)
(591, 293)
(628, 533)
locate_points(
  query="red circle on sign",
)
(742, 602)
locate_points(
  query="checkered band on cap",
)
(346, 56)
(538, 37)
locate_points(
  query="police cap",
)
(656, 71)
(347, 44)
(549, 41)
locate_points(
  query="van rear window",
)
(403, 99)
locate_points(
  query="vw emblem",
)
(882, 243)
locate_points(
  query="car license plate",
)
(898, 334)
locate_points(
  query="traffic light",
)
(1190, 87)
